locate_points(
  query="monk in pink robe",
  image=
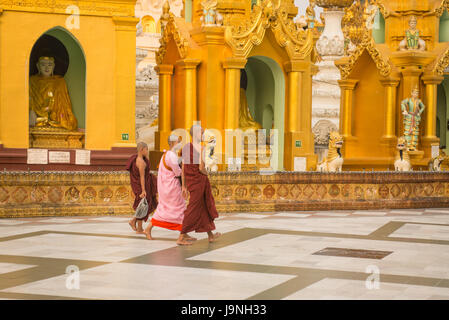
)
(201, 212)
(143, 184)
(169, 213)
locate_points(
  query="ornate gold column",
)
(292, 116)
(190, 98)
(347, 93)
(431, 82)
(1, 11)
(298, 136)
(165, 73)
(125, 79)
(390, 85)
(232, 68)
(411, 76)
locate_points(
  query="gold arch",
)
(169, 30)
(273, 14)
(442, 7)
(442, 64)
(369, 45)
(148, 24)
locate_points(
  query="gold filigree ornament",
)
(92, 7)
(169, 30)
(244, 35)
(442, 64)
(367, 44)
(444, 6)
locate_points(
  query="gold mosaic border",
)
(27, 194)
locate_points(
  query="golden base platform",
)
(28, 194)
(55, 138)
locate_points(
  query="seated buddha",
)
(246, 121)
(50, 104)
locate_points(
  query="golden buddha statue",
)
(50, 104)
(246, 121)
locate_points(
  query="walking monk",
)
(143, 184)
(201, 212)
(170, 209)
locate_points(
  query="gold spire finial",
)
(166, 7)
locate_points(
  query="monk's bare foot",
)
(214, 237)
(189, 238)
(183, 242)
(132, 224)
(148, 234)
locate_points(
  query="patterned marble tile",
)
(410, 230)
(297, 251)
(82, 247)
(370, 213)
(138, 281)
(358, 290)
(11, 267)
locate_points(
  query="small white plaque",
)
(300, 164)
(59, 157)
(435, 151)
(37, 156)
(82, 157)
(238, 164)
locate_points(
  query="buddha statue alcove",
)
(52, 122)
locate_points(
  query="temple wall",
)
(101, 55)
(80, 194)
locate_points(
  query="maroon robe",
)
(150, 184)
(201, 212)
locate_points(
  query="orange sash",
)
(165, 164)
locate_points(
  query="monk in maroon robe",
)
(143, 184)
(201, 212)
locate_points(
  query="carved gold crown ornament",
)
(243, 35)
(357, 33)
(169, 29)
(353, 23)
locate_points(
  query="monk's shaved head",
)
(141, 145)
(196, 132)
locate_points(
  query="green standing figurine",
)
(412, 108)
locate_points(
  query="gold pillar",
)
(1, 11)
(346, 103)
(232, 68)
(125, 97)
(390, 85)
(431, 82)
(298, 137)
(165, 73)
(190, 98)
(411, 76)
(293, 120)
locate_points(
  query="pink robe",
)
(170, 209)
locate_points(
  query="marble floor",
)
(384, 254)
